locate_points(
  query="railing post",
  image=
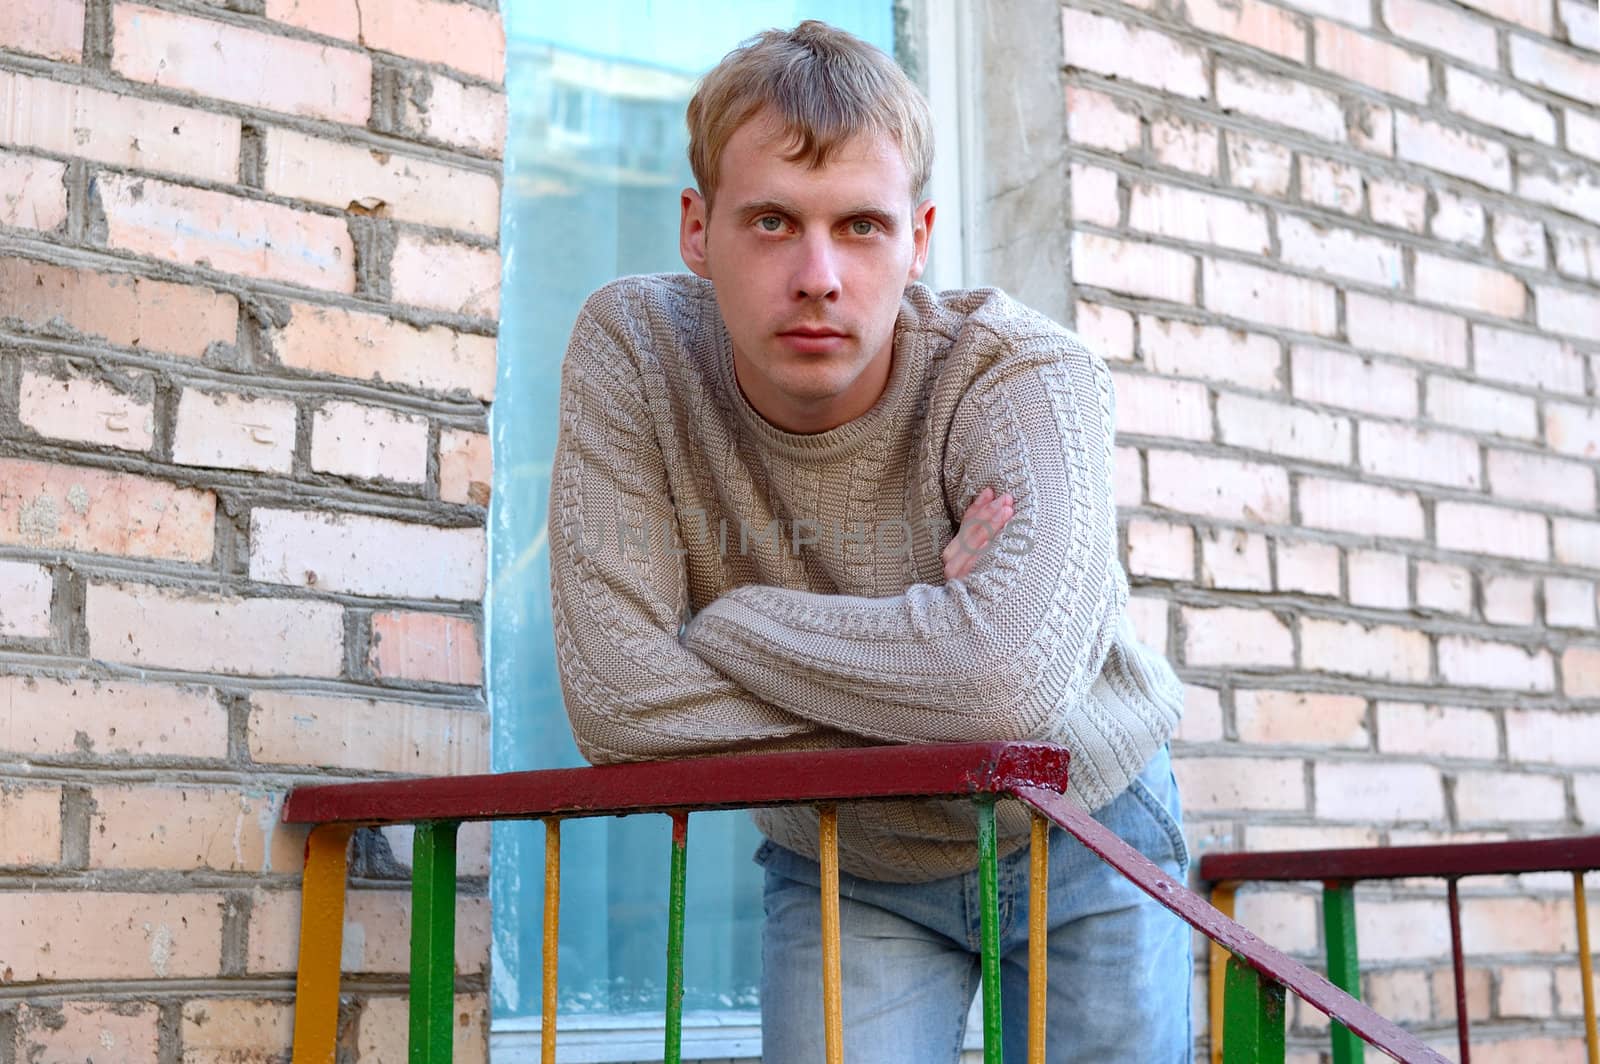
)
(832, 964)
(552, 940)
(433, 941)
(989, 903)
(1254, 1017)
(1344, 967)
(1222, 899)
(316, 987)
(1038, 938)
(1591, 1038)
(1458, 967)
(676, 907)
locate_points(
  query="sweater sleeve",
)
(619, 591)
(999, 654)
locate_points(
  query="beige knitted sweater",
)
(808, 567)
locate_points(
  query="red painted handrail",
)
(1452, 860)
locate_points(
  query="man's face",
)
(809, 267)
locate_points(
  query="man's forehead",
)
(760, 155)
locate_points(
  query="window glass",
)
(595, 158)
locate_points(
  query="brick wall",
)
(248, 289)
(1345, 257)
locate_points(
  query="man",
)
(754, 546)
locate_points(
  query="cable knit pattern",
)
(808, 567)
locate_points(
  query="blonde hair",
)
(824, 86)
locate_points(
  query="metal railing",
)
(1340, 870)
(1257, 975)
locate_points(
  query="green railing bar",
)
(989, 902)
(1344, 968)
(675, 912)
(433, 941)
(1253, 1017)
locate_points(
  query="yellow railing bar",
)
(1222, 901)
(1585, 968)
(832, 970)
(1038, 937)
(552, 939)
(316, 988)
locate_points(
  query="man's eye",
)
(770, 223)
(862, 227)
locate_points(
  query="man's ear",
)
(921, 233)
(692, 233)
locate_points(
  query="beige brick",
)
(1439, 26)
(1520, 241)
(1237, 637)
(1328, 183)
(1336, 378)
(1127, 484)
(157, 627)
(1346, 648)
(70, 508)
(1230, 356)
(1445, 588)
(1094, 195)
(229, 430)
(1385, 792)
(126, 1032)
(1569, 186)
(1562, 310)
(1251, 22)
(1580, 671)
(1577, 254)
(442, 110)
(445, 275)
(1100, 121)
(49, 28)
(1495, 797)
(1216, 784)
(381, 1030)
(425, 646)
(1573, 429)
(1490, 530)
(82, 934)
(1437, 731)
(1378, 579)
(468, 38)
(1265, 837)
(1398, 203)
(464, 467)
(1117, 49)
(68, 119)
(1312, 246)
(1160, 550)
(84, 409)
(1185, 145)
(366, 555)
(1453, 151)
(26, 591)
(1534, 478)
(356, 440)
(409, 189)
(1287, 920)
(1587, 790)
(1107, 329)
(236, 1031)
(1345, 506)
(1481, 409)
(1136, 269)
(1498, 106)
(1358, 57)
(1400, 452)
(376, 932)
(1554, 737)
(472, 846)
(1477, 994)
(1280, 100)
(1199, 217)
(1465, 662)
(1458, 220)
(97, 719)
(1280, 429)
(1374, 323)
(1508, 600)
(30, 825)
(1233, 558)
(367, 735)
(1148, 615)
(1258, 165)
(1269, 296)
(1402, 930)
(183, 828)
(1371, 127)
(1308, 567)
(1577, 542)
(1219, 487)
(121, 309)
(1463, 284)
(332, 18)
(1402, 995)
(1202, 716)
(227, 233)
(225, 61)
(1160, 406)
(1301, 718)
(374, 347)
(33, 191)
(1525, 993)
(1355, 14)
(1560, 70)
(1583, 134)
(1569, 603)
(1533, 14)
(1522, 1047)
(1582, 23)
(1569, 987)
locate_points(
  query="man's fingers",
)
(980, 525)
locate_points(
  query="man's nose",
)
(817, 273)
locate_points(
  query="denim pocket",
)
(1167, 816)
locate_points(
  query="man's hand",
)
(980, 526)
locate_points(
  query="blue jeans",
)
(1119, 962)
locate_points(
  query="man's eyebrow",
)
(885, 217)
